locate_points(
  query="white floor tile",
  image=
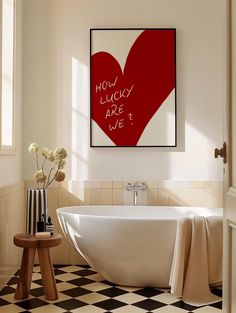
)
(37, 269)
(61, 297)
(130, 298)
(10, 298)
(96, 277)
(92, 298)
(11, 308)
(64, 286)
(129, 309)
(207, 309)
(166, 297)
(97, 286)
(71, 268)
(88, 309)
(67, 276)
(169, 309)
(48, 309)
(36, 276)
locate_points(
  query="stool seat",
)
(42, 245)
(25, 241)
(29, 241)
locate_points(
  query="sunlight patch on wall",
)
(80, 120)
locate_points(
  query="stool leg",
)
(27, 263)
(47, 273)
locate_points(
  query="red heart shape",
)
(124, 103)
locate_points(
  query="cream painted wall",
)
(56, 85)
(11, 165)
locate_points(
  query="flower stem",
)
(37, 160)
(50, 181)
(45, 159)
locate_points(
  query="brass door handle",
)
(221, 152)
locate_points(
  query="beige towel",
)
(197, 260)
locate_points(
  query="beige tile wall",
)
(12, 221)
(182, 193)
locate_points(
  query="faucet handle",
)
(129, 186)
(142, 186)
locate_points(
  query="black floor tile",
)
(80, 281)
(217, 292)
(76, 292)
(70, 304)
(110, 304)
(84, 266)
(148, 292)
(182, 305)
(17, 273)
(59, 265)
(112, 292)
(7, 290)
(13, 281)
(149, 304)
(108, 283)
(37, 292)
(217, 305)
(58, 272)
(85, 272)
(40, 282)
(31, 303)
(3, 302)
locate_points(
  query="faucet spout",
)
(135, 197)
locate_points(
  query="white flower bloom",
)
(45, 152)
(33, 147)
(50, 156)
(60, 153)
(40, 176)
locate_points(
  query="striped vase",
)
(37, 207)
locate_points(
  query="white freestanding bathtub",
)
(127, 245)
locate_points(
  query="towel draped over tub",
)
(197, 260)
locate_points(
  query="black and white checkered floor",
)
(82, 290)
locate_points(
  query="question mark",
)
(130, 117)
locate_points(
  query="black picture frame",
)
(100, 37)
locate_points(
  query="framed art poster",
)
(133, 87)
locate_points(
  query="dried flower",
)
(59, 176)
(60, 163)
(50, 156)
(33, 147)
(40, 176)
(45, 152)
(60, 153)
(54, 173)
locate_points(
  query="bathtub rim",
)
(65, 211)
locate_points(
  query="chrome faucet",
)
(135, 197)
(136, 187)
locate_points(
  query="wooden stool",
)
(30, 244)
